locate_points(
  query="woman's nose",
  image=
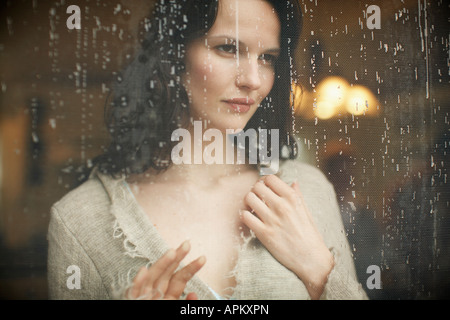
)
(248, 76)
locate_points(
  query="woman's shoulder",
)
(86, 194)
(83, 203)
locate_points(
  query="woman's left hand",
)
(282, 222)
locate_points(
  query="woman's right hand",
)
(160, 281)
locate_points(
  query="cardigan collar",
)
(141, 237)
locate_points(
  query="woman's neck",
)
(204, 160)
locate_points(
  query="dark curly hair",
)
(149, 100)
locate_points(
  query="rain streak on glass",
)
(370, 107)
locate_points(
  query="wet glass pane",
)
(371, 112)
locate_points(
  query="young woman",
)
(225, 65)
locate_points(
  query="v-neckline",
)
(141, 233)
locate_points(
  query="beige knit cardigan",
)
(100, 230)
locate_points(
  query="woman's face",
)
(231, 70)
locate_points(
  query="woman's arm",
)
(342, 283)
(69, 265)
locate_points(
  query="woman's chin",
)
(231, 129)
(228, 125)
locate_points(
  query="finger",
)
(277, 185)
(156, 270)
(180, 278)
(181, 252)
(162, 263)
(252, 222)
(265, 193)
(142, 291)
(135, 289)
(257, 205)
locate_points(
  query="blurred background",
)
(372, 112)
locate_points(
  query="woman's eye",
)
(227, 48)
(268, 59)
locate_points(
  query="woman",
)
(224, 65)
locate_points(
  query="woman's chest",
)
(209, 220)
(212, 226)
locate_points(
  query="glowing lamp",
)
(330, 97)
(360, 100)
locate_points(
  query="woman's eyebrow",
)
(275, 50)
(225, 37)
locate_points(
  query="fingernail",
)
(202, 259)
(186, 245)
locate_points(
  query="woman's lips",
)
(240, 105)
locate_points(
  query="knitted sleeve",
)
(342, 282)
(72, 274)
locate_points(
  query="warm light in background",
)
(334, 96)
(360, 100)
(330, 95)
